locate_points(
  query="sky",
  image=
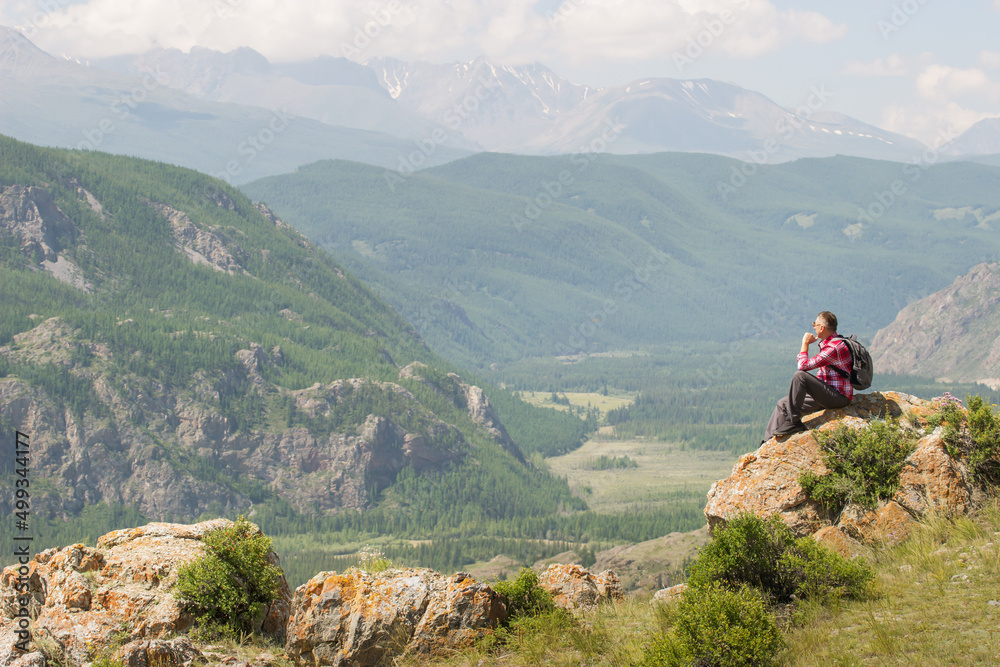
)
(924, 68)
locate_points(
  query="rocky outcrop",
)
(30, 215)
(41, 230)
(950, 334)
(573, 588)
(130, 444)
(466, 397)
(358, 618)
(765, 482)
(80, 599)
(178, 652)
(202, 246)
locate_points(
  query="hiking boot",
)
(795, 427)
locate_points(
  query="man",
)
(808, 393)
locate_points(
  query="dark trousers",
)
(805, 394)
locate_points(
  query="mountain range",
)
(61, 103)
(214, 112)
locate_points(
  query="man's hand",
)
(807, 340)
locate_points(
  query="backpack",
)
(861, 360)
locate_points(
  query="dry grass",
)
(934, 606)
(613, 634)
(578, 400)
(666, 473)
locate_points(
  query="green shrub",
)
(725, 628)
(864, 465)
(746, 552)
(823, 575)
(749, 551)
(666, 650)
(525, 598)
(974, 436)
(231, 586)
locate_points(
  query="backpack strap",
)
(840, 371)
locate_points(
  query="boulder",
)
(575, 589)
(889, 523)
(363, 618)
(81, 598)
(670, 595)
(836, 540)
(765, 482)
(932, 480)
(178, 652)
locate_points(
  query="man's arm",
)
(807, 340)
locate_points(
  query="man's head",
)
(825, 325)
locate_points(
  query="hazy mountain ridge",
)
(334, 91)
(530, 109)
(56, 102)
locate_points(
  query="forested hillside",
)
(175, 352)
(495, 258)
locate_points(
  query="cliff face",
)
(160, 448)
(950, 334)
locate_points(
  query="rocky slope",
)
(154, 447)
(117, 601)
(169, 347)
(766, 482)
(951, 334)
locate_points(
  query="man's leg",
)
(808, 394)
(779, 418)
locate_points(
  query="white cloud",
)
(932, 124)
(894, 65)
(989, 59)
(439, 30)
(942, 83)
(640, 29)
(947, 101)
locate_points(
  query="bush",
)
(864, 465)
(525, 598)
(973, 436)
(725, 628)
(749, 551)
(665, 650)
(230, 588)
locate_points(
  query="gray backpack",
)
(861, 369)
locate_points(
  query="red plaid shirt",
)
(832, 352)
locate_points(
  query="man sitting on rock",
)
(808, 393)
